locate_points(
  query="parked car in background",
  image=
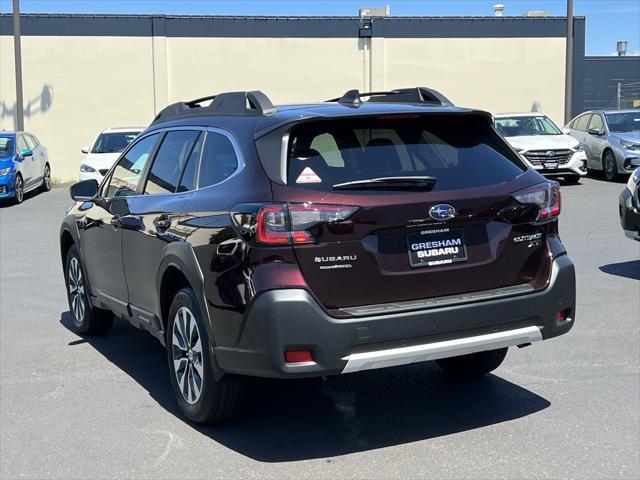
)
(630, 206)
(611, 140)
(368, 231)
(105, 150)
(24, 165)
(550, 151)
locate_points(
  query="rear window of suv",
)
(460, 151)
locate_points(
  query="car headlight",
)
(579, 148)
(634, 180)
(86, 168)
(5, 171)
(630, 145)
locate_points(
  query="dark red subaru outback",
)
(368, 231)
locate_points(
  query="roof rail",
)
(228, 103)
(353, 98)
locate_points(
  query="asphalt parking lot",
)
(73, 407)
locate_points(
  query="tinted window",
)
(189, 175)
(126, 175)
(22, 145)
(621, 122)
(460, 152)
(31, 142)
(596, 122)
(582, 122)
(113, 142)
(219, 160)
(522, 126)
(169, 161)
(7, 143)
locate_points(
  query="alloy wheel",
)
(47, 178)
(610, 166)
(76, 289)
(19, 189)
(186, 347)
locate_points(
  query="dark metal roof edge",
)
(287, 17)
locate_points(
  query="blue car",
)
(24, 165)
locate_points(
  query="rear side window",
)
(459, 151)
(190, 172)
(219, 160)
(582, 122)
(170, 161)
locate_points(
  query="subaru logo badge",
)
(442, 211)
(550, 153)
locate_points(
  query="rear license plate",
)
(438, 246)
(551, 165)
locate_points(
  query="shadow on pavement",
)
(315, 418)
(630, 269)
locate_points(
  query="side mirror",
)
(84, 191)
(84, 149)
(595, 131)
(26, 153)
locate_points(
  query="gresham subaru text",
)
(368, 231)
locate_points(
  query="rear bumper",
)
(629, 215)
(291, 319)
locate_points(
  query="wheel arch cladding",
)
(179, 269)
(66, 242)
(172, 280)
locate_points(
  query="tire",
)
(200, 398)
(87, 319)
(46, 180)
(18, 190)
(474, 364)
(610, 166)
(572, 179)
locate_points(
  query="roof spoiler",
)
(253, 103)
(420, 95)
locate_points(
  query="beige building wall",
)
(496, 74)
(75, 86)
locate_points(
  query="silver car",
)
(611, 140)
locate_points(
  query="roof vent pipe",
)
(498, 9)
(621, 48)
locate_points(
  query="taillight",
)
(291, 223)
(546, 196)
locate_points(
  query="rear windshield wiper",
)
(389, 183)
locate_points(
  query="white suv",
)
(543, 145)
(105, 151)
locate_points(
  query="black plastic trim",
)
(411, 305)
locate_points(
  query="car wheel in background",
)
(473, 364)
(572, 179)
(200, 397)
(609, 166)
(18, 189)
(87, 319)
(46, 180)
